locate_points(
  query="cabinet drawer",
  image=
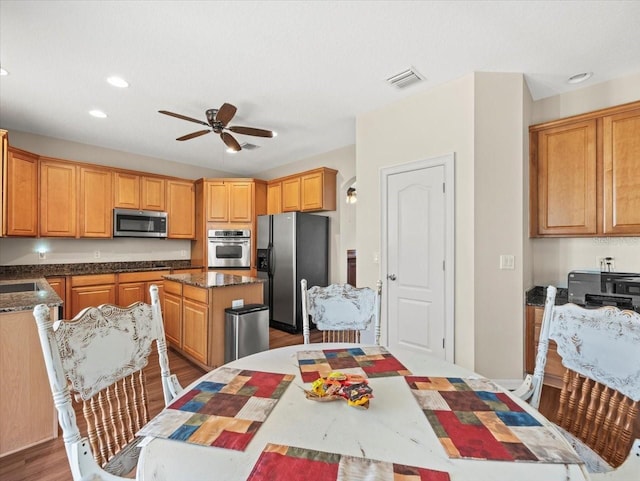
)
(93, 280)
(172, 287)
(196, 293)
(145, 276)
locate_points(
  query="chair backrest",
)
(340, 311)
(98, 358)
(601, 385)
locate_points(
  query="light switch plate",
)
(507, 262)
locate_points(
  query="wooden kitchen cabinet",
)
(95, 217)
(621, 186)
(291, 194)
(132, 191)
(318, 190)
(274, 198)
(91, 291)
(4, 145)
(229, 201)
(181, 204)
(28, 416)
(59, 285)
(195, 322)
(554, 370)
(21, 193)
(58, 198)
(172, 313)
(585, 174)
(134, 286)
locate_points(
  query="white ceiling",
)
(303, 68)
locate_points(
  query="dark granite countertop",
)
(27, 300)
(57, 270)
(213, 279)
(538, 294)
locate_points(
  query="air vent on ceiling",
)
(406, 78)
(248, 146)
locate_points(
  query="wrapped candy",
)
(354, 389)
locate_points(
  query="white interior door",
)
(415, 257)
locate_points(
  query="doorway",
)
(418, 255)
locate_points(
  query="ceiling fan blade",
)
(230, 142)
(193, 135)
(251, 131)
(226, 113)
(183, 117)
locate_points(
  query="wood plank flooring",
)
(48, 461)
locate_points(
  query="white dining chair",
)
(340, 311)
(598, 407)
(98, 358)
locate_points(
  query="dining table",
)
(403, 427)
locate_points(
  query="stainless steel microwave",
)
(139, 223)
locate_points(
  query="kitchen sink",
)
(19, 287)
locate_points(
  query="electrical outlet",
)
(605, 263)
(237, 303)
(96, 254)
(507, 262)
(42, 255)
(183, 253)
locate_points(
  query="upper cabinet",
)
(58, 198)
(20, 196)
(132, 191)
(181, 204)
(95, 218)
(314, 190)
(231, 201)
(4, 144)
(585, 174)
(621, 158)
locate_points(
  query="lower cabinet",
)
(554, 370)
(91, 290)
(195, 322)
(134, 286)
(172, 313)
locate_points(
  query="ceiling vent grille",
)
(248, 146)
(405, 78)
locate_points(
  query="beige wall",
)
(498, 216)
(341, 221)
(421, 126)
(552, 259)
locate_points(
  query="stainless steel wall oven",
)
(229, 248)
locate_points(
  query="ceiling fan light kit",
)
(217, 120)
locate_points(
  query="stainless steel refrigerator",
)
(291, 246)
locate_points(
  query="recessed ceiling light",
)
(99, 114)
(231, 151)
(275, 134)
(118, 82)
(3, 72)
(580, 77)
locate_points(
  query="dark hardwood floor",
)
(48, 461)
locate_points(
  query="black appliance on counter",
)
(596, 289)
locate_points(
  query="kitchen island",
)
(193, 312)
(28, 416)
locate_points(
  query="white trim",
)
(508, 384)
(448, 162)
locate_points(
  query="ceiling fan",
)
(217, 120)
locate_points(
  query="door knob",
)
(391, 277)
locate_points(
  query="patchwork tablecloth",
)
(368, 361)
(475, 418)
(225, 409)
(298, 464)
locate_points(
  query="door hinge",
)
(443, 188)
(443, 343)
(443, 266)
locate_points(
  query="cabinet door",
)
(621, 159)
(172, 317)
(91, 296)
(567, 179)
(131, 292)
(152, 193)
(291, 195)
(59, 284)
(240, 202)
(217, 195)
(126, 189)
(96, 206)
(195, 320)
(4, 145)
(311, 191)
(58, 199)
(274, 198)
(181, 204)
(22, 194)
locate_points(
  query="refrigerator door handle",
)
(271, 260)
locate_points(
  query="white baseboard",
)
(509, 384)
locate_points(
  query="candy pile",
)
(355, 389)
